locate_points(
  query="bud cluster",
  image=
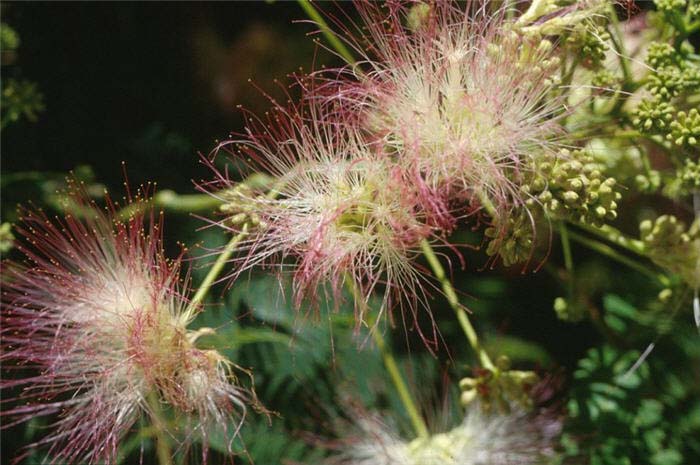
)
(674, 246)
(672, 73)
(671, 6)
(566, 185)
(607, 81)
(570, 185)
(511, 238)
(653, 116)
(591, 42)
(662, 54)
(685, 129)
(500, 389)
(689, 176)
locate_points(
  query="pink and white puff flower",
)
(340, 211)
(94, 322)
(463, 97)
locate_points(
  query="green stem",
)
(692, 28)
(569, 76)
(486, 203)
(214, 272)
(391, 366)
(566, 247)
(226, 253)
(611, 253)
(510, 10)
(336, 43)
(633, 134)
(616, 38)
(135, 441)
(629, 85)
(163, 451)
(458, 308)
(172, 202)
(568, 258)
(615, 236)
(400, 385)
(536, 9)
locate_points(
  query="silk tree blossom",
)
(341, 212)
(95, 320)
(494, 439)
(463, 96)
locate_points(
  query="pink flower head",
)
(95, 322)
(463, 97)
(339, 212)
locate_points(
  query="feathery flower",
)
(95, 322)
(462, 96)
(481, 439)
(340, 209)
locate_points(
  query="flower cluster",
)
(664, 112)
(571, 185)
(689, 176)
(591, 42)
(685, 130)
(459, 102)
(500, 389)
(338, 208)
(566, 185)
(447, 116)
(96, 321)
(455, 114)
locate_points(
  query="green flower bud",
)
(666, 82)
(7, 239)
(665, 295)
(690, 176)
(670, 6)
(418, 16)
(9, 40)
(606, 80)
(590, 42)
(511, 238)
(575, 188)
(685, 130)
(21, 99)
(653, 116)
(661, 54)
(672, 245)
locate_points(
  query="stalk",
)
(611, 253)
(566, 246)
(336, 43)
(214, 272)
(617, 237)
(419, 426)
(163, 451)
(172, 202)
(617, 41)
(696, 291)
(400, 385)
(568, 258)
(453, 300)
(487, 204)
